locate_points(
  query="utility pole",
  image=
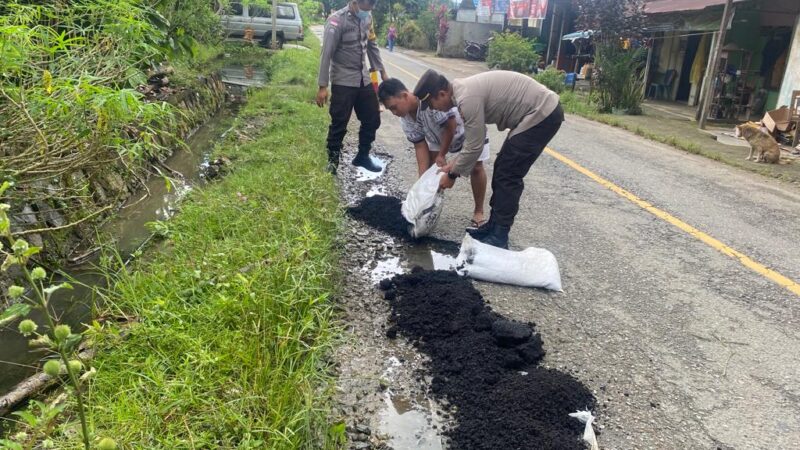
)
(550, 37)
(709, 94)
(647, 65)
(274, 40)
(560, 36)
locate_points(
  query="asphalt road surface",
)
(681, 304)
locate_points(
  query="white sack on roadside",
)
(532, 267)
(424, 203)
(588, 432)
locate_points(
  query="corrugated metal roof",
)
(665, 6)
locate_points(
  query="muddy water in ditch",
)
(129, 231)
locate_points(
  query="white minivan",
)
(238, 19)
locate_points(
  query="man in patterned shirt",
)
(434, 135)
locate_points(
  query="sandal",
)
(477, 224)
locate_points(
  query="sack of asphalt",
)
(532, 267)
(424, 203)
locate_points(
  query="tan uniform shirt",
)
(506, 99)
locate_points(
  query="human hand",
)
(322, 96)
(384, 76)
(440, 160)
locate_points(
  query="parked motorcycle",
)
(475, 51)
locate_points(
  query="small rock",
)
(363, 429)
(508, 334)
(391, 333)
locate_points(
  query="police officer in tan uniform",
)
(347, 41)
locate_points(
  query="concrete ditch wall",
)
(106, 188)
(460, 31)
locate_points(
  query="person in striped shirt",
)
(435, 134)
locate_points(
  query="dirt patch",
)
(485, 366)
(383, 213)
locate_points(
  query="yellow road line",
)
(745, 260)
(403, 70)
(716, 244)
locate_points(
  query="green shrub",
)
(619, 78)
(428, 25)
(581, 105)
(510, 51)
(552, 78)
(411, 36)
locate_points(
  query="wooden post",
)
(647, 67)
(550, 39)
(560, 35)
(709, 94)
(274, 24)
(707, 78)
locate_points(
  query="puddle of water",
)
(295, 46)
(386, 268)
(442, 261)
(366, 175)
(421, 255)
(243, 75)
(408, 425)
(128, 228)
(376, 190)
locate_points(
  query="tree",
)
(618, 69)
(614, 19)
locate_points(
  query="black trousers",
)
(344, 100)
(514, 161)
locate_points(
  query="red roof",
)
(664, 6)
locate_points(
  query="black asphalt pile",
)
(477, 364)
(383, 213)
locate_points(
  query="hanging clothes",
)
(778, 70)
(700, 58)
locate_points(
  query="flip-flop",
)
(477, 224)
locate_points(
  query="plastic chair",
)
(661, 90)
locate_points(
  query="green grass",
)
(234, 311)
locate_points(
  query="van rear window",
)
(284, 12)
(235, 9)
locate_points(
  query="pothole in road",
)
(409, 425)
(470, 391)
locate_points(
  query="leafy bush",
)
(619, 78)
(429, 25)
(190, 19)
(310, 11)
(411, 36)
(510, 51)
(68, 102)
(552, 78)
